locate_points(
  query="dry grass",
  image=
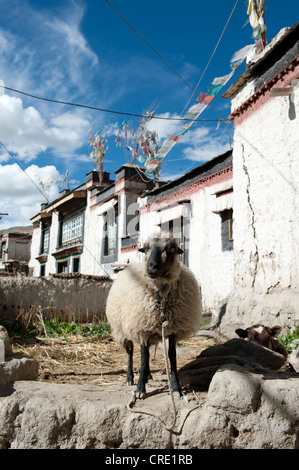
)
(96, 361)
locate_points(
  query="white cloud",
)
(20, 198)
(165, 127)
(203, 152)
(26, 133)
(71, 35)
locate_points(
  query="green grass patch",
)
(290, 339)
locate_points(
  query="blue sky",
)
(83, 52)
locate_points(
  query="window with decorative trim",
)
(72, 230)
(45, 241)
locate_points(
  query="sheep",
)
(264, 336)
(143, 296)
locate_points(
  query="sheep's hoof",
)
(177, 395)
(140, 395)
(130, 382)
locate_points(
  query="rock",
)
(249, 411)
(241, 410)
(199, 372)
(294, 360)
(7, 344)
(253, 353)
(18, 368)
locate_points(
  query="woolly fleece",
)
(133, 309)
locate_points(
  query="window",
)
(62, 266)
(45, 241)
(175, 229)
(76, 264)
(72, 230)
(42, 270)
(2, 250)
(227, 229)
(110, 227)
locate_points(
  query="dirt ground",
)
(98, 361)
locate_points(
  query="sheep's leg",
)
(173, 364)
(130, 375)
(144, 372)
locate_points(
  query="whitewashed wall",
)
(212, 267)
(266, 210)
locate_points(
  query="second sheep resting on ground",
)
(145, 295)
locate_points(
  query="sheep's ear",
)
(241, 333)
(180, 251)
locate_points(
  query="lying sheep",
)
(145, 295)
(264, 336)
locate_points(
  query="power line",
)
(20, 166)
(60, 217)
(213, 53)
(149, 45)
(123, 113)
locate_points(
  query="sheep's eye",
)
(173, 250)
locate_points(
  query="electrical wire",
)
(212, 55)
(123, 113)
(48, 201)
(149, 45)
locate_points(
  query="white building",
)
(94, 230)
(15, 246)
(265, 107)
(84, 230)
(197, 210)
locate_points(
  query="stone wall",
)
(239, 411)
(79, 295)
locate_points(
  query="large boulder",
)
(199, 372)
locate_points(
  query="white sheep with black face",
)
(134, 306)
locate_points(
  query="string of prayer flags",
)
(99, 147)
(141, 145)
(153, 165)
(256, 12)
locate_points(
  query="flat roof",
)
(272, 49)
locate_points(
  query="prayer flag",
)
(213, 90)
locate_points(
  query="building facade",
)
(95, 230)
(84, 230)
(265, 110)
(15, 247)
(197, 210)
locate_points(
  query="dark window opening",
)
(62, 266)
(110, 230)
(227, 230)
(76, 265)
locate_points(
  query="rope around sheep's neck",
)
(164, 324)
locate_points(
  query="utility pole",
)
(3, 213)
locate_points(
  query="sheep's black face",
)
(160, 258)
